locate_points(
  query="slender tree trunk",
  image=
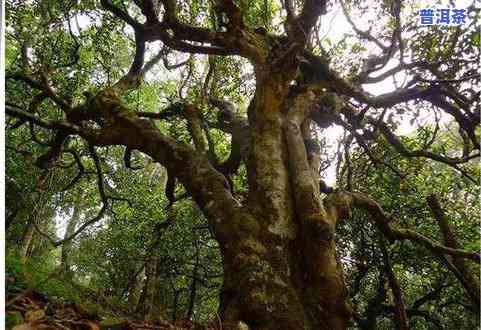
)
(67, 246)
(149, 304)
(14, 201)
(135, 287)
(152, 305)
(400, 314)
(193, 285)
(375, 305)
(36, 214)
(143, 303)
(154, 301)
(175, 304)
(27, 240)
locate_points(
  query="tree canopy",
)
(275, 164)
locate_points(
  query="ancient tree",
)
(277, 240)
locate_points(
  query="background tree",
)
(131, 110)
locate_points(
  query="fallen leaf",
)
(93, 326)
(24, 326)
(34, 315)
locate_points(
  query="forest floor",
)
(47, 299)
(32, 310)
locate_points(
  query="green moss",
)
(252, 245)
(112, 324)
(248, 259)
(318, 227)
(283, 227)
(279, 283)
(12, 319)
(248, 224)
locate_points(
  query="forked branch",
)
(340, 204)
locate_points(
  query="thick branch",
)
(308, 17)
(229, 121)
(53, 124)
(42, 86)
(469, 280)
(123, 15)
(402, 149)
(207, 186)
(339, 205)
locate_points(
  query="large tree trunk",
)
(280, 265)
(269, 283)
(279, 258)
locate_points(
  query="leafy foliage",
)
(151, 253)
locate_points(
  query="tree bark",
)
(67, 246)
(467, 277)
(280, 264)
(279, 255)
(193, 285)
(400, 314)
(145, 299)
(135, 287)
(27, 239)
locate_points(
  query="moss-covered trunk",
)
(280, 265)
(269, 284)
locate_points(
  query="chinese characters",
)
(442, 16)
